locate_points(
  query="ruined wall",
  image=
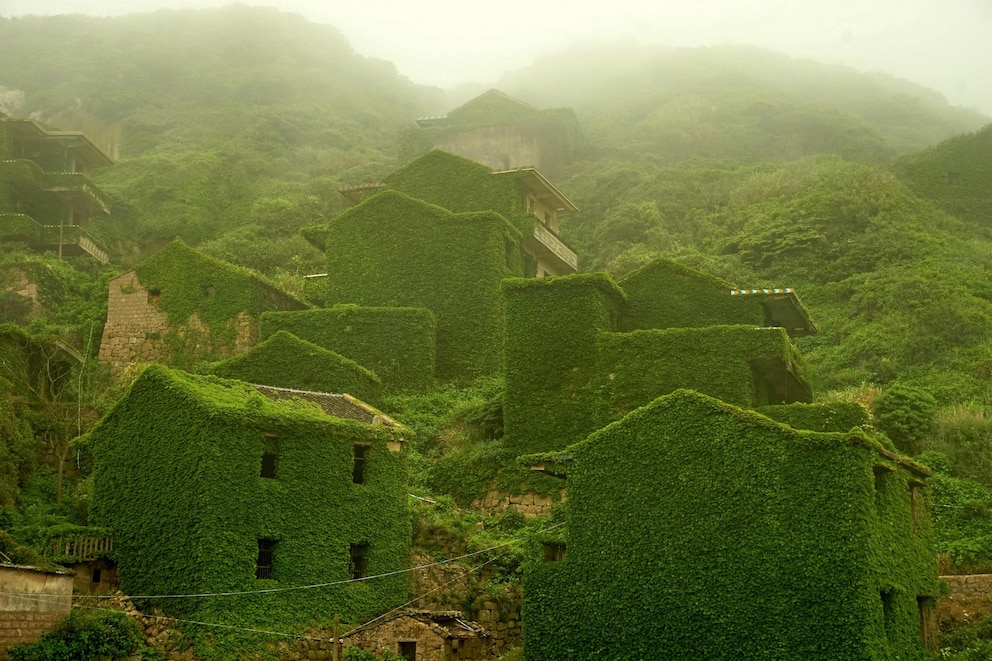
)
(136, 329)
(528, 504)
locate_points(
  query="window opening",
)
(154, 295)
(928, 623)
(358, 470)
(96, 575)
(554, 551)
(268, 465)
(408, 649)
(888, 610)
(208, 291)
(263, 565)
(357, 565)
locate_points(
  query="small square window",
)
(263, 565)
(554, 551)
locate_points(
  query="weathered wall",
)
(32, 602)
(968, 586)
(136, 328)
(528, 504)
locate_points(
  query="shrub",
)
(905, 414)
(83, 635)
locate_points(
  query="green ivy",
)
(177, 481)
(285, 361)
(731, 537)
(396, 343)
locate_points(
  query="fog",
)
(942, 44)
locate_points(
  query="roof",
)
(556, 463)
(30, 131)
(338, 405)
(782, 309)
(540, 187)
(447, 624)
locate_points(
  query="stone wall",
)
(135, 326)
(528, 504)
(969, 586)
(136, 329)
(32, 603)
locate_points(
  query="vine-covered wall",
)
(211, 307)
(666, 294)
(285, 361)
(178, 479)
(552, 329)
(733, 363)
(395, 251)
(698, 530)
(568, 372)
(397, 343)
(833, 416)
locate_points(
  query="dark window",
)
(268, 465)
(408, 649)
(358, 470)
(928, 623)
(96, 575)
(263, 565)
(357, 566)
(888, 610)
(154, 295)
(554, 551)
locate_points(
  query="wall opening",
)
(407, 649)
(356, 565)
(358, 469)
(268, 465)
(554, 551)
(263, 564)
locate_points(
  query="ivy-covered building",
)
(583, 350)
(701, 530)
(215, 486)
(181, 306)
(440, 234)
(499, 131)
(46, 196)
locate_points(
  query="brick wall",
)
(22, 627)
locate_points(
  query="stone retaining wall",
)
(528, 504)
(969, 586)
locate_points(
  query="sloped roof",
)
(338, 405)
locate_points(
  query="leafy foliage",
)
(84, 636)
(744, 550)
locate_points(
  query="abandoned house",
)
(216, 486)
(181, 306)
(46, 196)
(583, 350)
(441, 233)
(700, 530)
(420, 635)
(499, 131)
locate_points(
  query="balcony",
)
(550, 252)
(63, 239)
(76, 189)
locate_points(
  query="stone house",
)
(46, 196)
(217, 486)
(440, 234)
(420, 635)
(499, 131)
(583, 350)
(180, 306)
(697, 529)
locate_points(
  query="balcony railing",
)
(82, 547)
(77, 187)
(24, 228)
(555, 246)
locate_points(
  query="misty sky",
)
(943, 44)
